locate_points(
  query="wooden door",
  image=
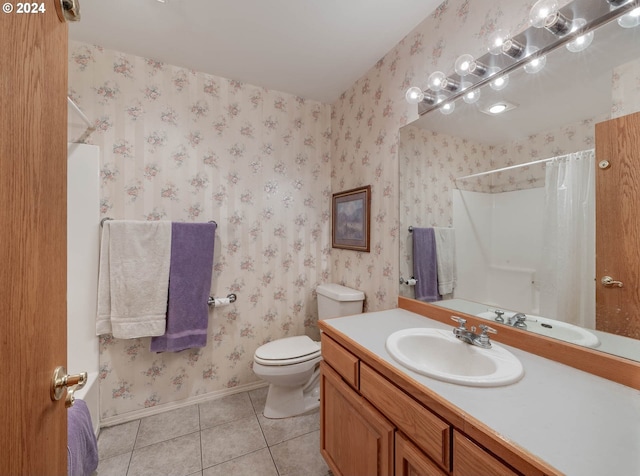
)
(410, 461)
(33, 118)
(618, 225)
(355, 439)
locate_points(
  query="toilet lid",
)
(288, 348)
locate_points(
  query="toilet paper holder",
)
(221, 301)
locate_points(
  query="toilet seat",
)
(287, 351)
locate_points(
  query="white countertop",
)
(577, 422)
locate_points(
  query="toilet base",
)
(285, 402)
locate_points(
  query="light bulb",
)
(472, 96)
(466, 64)
(414, 95)
(496, 39)
(582, 42)
(447, 107)
(499, 83)
(540, 11)
(535, 65)
(512, 48)
(463, 64)
(631, 19)
(437, 81)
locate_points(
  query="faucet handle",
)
(461, 321)
(487, 330)
(499, 314)
(483, 339)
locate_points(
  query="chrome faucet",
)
(470, 336)
(517, 320)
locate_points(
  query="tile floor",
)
(228, 436)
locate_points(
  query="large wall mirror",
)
(526, 236)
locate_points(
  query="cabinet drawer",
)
(470, 460)
(410, 461)
(428, 432)
(342, 361)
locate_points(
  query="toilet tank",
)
(335, 300)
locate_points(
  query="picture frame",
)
(351, 219)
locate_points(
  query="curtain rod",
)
(503, 169)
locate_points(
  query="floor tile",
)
(114, 466)
(177, 457)
(230, 440)
(300, 456)
(279, 430)
(118, 439)
(224, 410)
(258, 399)
(258, 463)
(168, 425)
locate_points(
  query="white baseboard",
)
(145, 412)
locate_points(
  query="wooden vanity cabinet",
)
(355, 438)
(370, 426)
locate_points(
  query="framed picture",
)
(351, 219)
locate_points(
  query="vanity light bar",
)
(564, 29)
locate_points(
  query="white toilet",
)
(291, 365)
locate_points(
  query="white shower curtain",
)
(567, 271)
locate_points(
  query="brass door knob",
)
(61, 381)
(610, 282)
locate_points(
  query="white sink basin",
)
(439, 354)
(552, 328)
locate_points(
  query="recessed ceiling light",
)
(498, 108)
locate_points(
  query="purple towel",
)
(189, 287)
(82, 447)
(425, 265)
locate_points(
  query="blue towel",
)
(189, 287)
(425, 265)
(82, 447)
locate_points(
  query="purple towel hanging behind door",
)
(189, 287)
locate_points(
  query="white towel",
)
(133, 282)
(446, 259)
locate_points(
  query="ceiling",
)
(313, 49)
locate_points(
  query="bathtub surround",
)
(184, 146)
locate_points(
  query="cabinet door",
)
(471, 460)
(355, 439)
(410, 461)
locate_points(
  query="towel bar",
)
(109, 218)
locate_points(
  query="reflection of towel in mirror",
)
(425, 268)
(189, 287)
(446, 259)
(133, 281)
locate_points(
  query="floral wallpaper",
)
(626, 89)
(185, 146)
